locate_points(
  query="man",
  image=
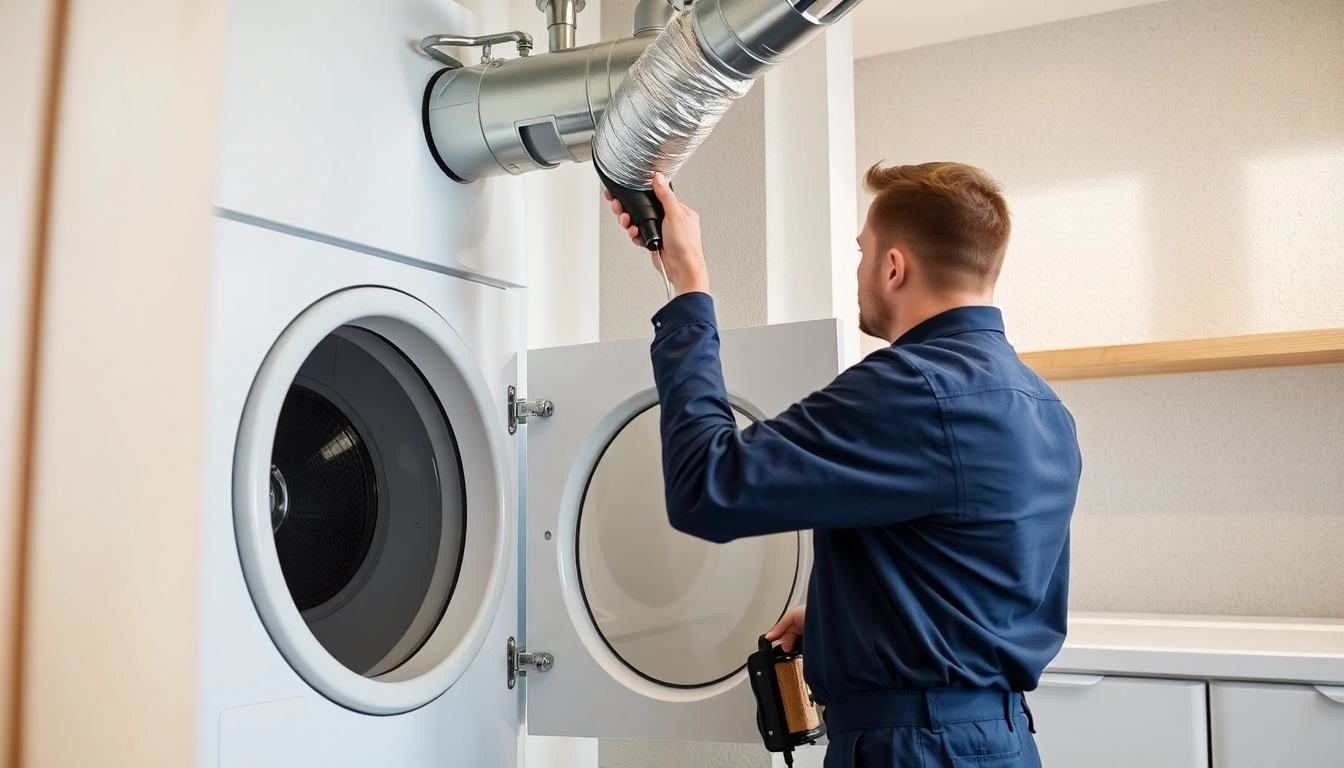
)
(939, 475)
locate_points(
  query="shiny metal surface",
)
(706, 59)
(561, 21)
(524, 114)
(745, 38)
(537, 112)
(429, 45)
(652, 15)
(668, 105)
(279, 495)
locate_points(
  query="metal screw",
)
(772, 733)
(548, 535)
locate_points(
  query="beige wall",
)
(1175, 170)
(109, 634)
(1217, 493)
(26, 38)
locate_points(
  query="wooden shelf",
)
(1227, 353)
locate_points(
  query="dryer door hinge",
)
(521, 662)
(522, 410)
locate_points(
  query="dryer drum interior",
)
(676, 610)
(367, 501)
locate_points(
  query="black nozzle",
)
(645, 211)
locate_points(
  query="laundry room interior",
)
(330, 435)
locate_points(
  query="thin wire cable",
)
(667, 284)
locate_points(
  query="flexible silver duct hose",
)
(706, 59)
(669, 102)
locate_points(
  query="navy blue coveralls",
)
(939, 475)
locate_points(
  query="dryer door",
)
(368, 436)
(649, 628)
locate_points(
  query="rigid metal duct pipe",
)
(561, 21)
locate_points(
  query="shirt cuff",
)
(686, 309)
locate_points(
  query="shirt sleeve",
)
(865, 451)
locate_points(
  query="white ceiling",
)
(883, 26)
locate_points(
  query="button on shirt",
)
(939, 476)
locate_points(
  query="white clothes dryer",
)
(359, 528)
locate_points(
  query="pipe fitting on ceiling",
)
(562, 22)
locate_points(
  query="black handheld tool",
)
(785, 712)
(645, 211)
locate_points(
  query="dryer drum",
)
(366, 510)
(332, 505)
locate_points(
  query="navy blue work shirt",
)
(939, 475)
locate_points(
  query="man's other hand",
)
(789, 629)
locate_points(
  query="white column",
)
(811, 219)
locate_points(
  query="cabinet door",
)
(650, 629)
(1259, 725)
(1092, 721)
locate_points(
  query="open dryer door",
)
(650, 629)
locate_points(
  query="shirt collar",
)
(953, 321)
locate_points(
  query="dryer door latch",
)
(521, 662)
(522, 410)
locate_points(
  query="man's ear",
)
(897, 268)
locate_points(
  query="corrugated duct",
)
(669, 102)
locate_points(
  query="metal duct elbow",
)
(706, 59)
(510, 116)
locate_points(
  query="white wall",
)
(885, 27)
(1175, 170)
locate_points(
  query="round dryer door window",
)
(370, 500)
(367, 503)
(677, 610)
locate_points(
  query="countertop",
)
(1204, 647)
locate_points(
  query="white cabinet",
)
(1260, 725)
(1095, 721)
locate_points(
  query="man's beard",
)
(874, 323)
(864, 327)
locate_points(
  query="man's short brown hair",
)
(950, 216)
